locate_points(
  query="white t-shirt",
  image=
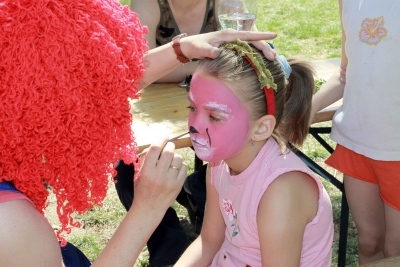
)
(369, 120)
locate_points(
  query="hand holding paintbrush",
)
(162, 174)
(170, 140)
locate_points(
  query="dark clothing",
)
(73, 257)
(195, 186)
(8, 186)
(167, 27)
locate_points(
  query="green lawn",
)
(309, 28)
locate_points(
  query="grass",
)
(309, 28)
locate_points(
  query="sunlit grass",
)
(98, 225)
(310, 28)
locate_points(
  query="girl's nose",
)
(193, 130)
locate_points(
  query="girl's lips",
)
(203, 144)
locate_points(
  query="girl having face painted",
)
(264, 206)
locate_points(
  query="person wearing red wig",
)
(67, 69)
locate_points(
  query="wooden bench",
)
(388, 262)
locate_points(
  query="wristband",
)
(176, 45)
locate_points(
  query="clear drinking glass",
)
(237, 14)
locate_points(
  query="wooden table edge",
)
(387, 262)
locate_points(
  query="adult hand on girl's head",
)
(206, 45)
(162, 174)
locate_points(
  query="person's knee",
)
(392, 244)
(391, 250)
(370, 244)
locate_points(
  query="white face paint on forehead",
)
(222, 109)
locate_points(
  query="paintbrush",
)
(170, 140)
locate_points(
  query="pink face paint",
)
(218, 123)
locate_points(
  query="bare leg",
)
(367, 210)
(392, 236)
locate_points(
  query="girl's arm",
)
(287, 206)
(202, 251)
(333, 89)
(162, 60)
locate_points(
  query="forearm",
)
(162, 60)
(329, 93)
(130, 237)
(158, 61)
(179, 74)
(199, 253)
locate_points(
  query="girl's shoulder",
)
(300, 186)
(291, 200)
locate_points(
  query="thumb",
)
(214, 52)
(207, 51)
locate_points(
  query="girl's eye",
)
(214, 118)
(191, 108)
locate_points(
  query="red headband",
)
(269, 93)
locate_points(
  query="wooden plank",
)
(325, 114)
(161, 109)
(388, 262)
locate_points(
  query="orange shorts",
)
(386, 174)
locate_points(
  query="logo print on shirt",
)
(372, 31)
(232, 215)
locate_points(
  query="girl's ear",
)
(263, 128)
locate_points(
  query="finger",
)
(182, 174)
(176, 163)
(206, 45)
(213, 52)
(229, 35)
(166, 156)
(154, 151)
(208, 51)
(265, 48)
(142, 154)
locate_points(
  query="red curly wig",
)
(67, 69)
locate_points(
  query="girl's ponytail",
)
(293, 126)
